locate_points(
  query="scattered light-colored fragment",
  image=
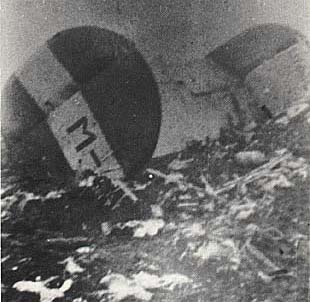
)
(4, 214)
(251, 229)
(31, 196)
(72, 267)
(157, 211)
(212, 250)
(106, 228)
(244, 211)
(245, 214)
(54, 194)
(281, 151)
(178, 164)
(80, 299)
(171, 226)
(215, 250)
(152, 267)
(200, 194)
(87, 182)
(149, 227)
(249, 127)
(140, 187)
(169, 178)
(261, 172)
(185, 216)
(250, 158)
(266, 90)
(188, 205)
(84, 249)
(5, 258)
(120, 287)
(66, 285)
(194, 230)
(4, 190)
(232, 253)
(296, 164)
(267, 279)
(185, 197)
(39, 287)
(273, 233)
(255, 253)
(146, 280)
(208, 188)
(166, 281)
(144, 228)
(308, 118)
(283, 120)
(295, 110)
(280, 182)
(208, 206)
(126, 190)
(6, 204)
(173, 178)
(25, 259)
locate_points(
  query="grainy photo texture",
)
(155, 150)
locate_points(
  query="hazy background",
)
(166, 31)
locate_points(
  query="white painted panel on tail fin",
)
(81, 138)
(45, 79)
